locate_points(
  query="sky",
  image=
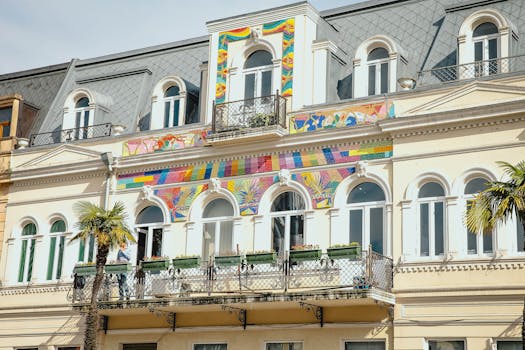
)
(37, 33)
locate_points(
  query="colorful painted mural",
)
(163, 143)
(257, 165)
(222, 59)
(179, 199)
(342, 117)
(248, 192)
(321, 185)
(287, 27)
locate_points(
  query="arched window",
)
(287, 215)
(431, 200)
(366, 203)
(56, 250)
(171, 106)
(477, 243)
(149, 228)
(82, 118)
(377, 62)
(218, 228)
(258, 75)
(25, 270)
(486, 48)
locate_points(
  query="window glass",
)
(424, 229)
(218, 207)
(439, 243)
(377, 54)
(476, 185)
(472, 188)
(288, 201)
(249, 86)
(371, 80)
(384, 78)
(144, 346)
(376, 229)
(27, 255)
(258, 58)
(151, 214)
(82, 103)
(68, 347)
(5, 121)
(431, 189)
(284, 346)
(210, 347)
(366, 192)
(356, 226)
(172, 91)
(486, 28)
(56, 251)
(520, 235)
(364, 346)
(288, 228)
(218, 234)
(446, 345)
(509, 345)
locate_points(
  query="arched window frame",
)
(28, 242)
(159, 101)
(480, 239)
(150, 232)
(77, 120)
(217, 223)
(365, 208)
(431, 203)
(467, 43)
(376, 70)
(57, 242)
(361, 64)
(257, 74)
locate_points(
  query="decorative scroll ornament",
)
(284, 177)
(147, 193)
(215, 184)
(361, 168)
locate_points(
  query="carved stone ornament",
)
(361, 168)
(284, 177)
(215, 184)
(255, 35)
(147, 193)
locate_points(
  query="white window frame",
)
(287, 220)
(32, 241)
(258, 71)
(82, 124)
(58, 235)
(431, 201)
(377, 64)
(343, 345)
(282, 342)
(158, 102)
(365, 221)
(210, 343)
(496, 341)
(150, 227)
(479, 237)
(171, 100)
(217, 221)
(485, 64)
(427, 346)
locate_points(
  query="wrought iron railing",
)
(248, 114)
(68, 135)
(361, 272)
(471, 70)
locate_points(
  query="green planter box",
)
(118, 268)
(305, 255)
(155, 265)
(261, 258)
(186, 263)
(233, 260)
(352, 253)
(85, 270)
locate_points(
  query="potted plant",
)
(85, 269)
(117, 267)
(228, 259)
(155, 263)
(305, 252)
(350, 251)
(261, 257)
(186, 261)
(261, 119)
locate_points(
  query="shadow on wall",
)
(144, 122)
(344, 87)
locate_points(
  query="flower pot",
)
(85, 270)
(352, 253)
(186, 263)
(305, 255)
(261, 258)
(155, 265)
(118, 268)
(233, 260)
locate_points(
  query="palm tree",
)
(497, 203)
(110, 230)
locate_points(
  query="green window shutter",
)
(81, 250)
(29, 230)
(58, 226)
(51, 260)
(31, 257)
(91, 247)
(60, 256)
(22, 261)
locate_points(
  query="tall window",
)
(149, 229)
(56, 250)
(486, 48)
(377, 61)
(258, 75)
(287, 214)
(171, 106)
(218, 228)
(5, 121)
(477, 243)
(508, 345)
(25, 270)
(86, 251)
(366, 202)
(446, 345)
(365, 345)
(284, 346)
(82, 118)
(431, 201)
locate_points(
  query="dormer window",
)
(258, 75)
(486, 47)
(81, 118)
(171, 106)
(377, 61)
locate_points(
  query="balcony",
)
(472, 70)
(249, 118)
(68, 135)
(216, 283)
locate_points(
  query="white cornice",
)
(261, 17)
(460, 265)
(58, 172)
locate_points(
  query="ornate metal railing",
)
(248, 114)
(362, 272)
(68, 135)
(471, 70)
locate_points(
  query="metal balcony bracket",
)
(171, 317)
(241, 314)
(105, 324)
(316, 310)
